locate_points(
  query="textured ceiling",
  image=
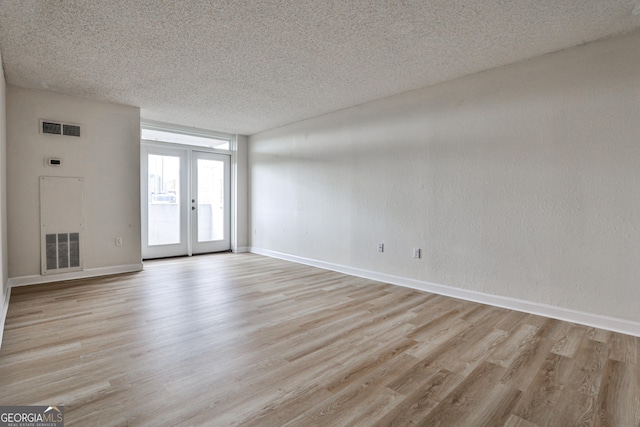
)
(247, 66)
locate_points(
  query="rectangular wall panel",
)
(61, 221)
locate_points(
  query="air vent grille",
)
(71, 130)
(56, 128)
(62, 250)
(52, 128)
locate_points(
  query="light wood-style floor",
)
(239, 339)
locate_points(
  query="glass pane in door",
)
(210, 200)
(163, 191)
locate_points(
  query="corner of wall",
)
(4, 309)
(241, 194)
(4, 289)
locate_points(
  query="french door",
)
(210, 202)
(185, 201)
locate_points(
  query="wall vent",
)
(71, 130)
(52, 128)
(61, 224)
(56, 128)
(63, 251)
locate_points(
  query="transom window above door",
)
(186, 137)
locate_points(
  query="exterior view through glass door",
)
(185, 201)
(210, 199)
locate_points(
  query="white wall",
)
(522, 182)
(107, 156)
(3, 195)
(240, 242)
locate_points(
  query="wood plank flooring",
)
(244, 340)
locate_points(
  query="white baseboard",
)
(3, 313)
(566, 314)
(89, 272)
(241, 249)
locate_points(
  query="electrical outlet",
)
(381, 247)
(416, 252)
(119, 241)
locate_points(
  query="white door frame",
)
(186, 247)
(195, 246)
(161, 251)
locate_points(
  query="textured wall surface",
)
(107, 156)
(521, 181)
(3, 188)
(240, 231)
